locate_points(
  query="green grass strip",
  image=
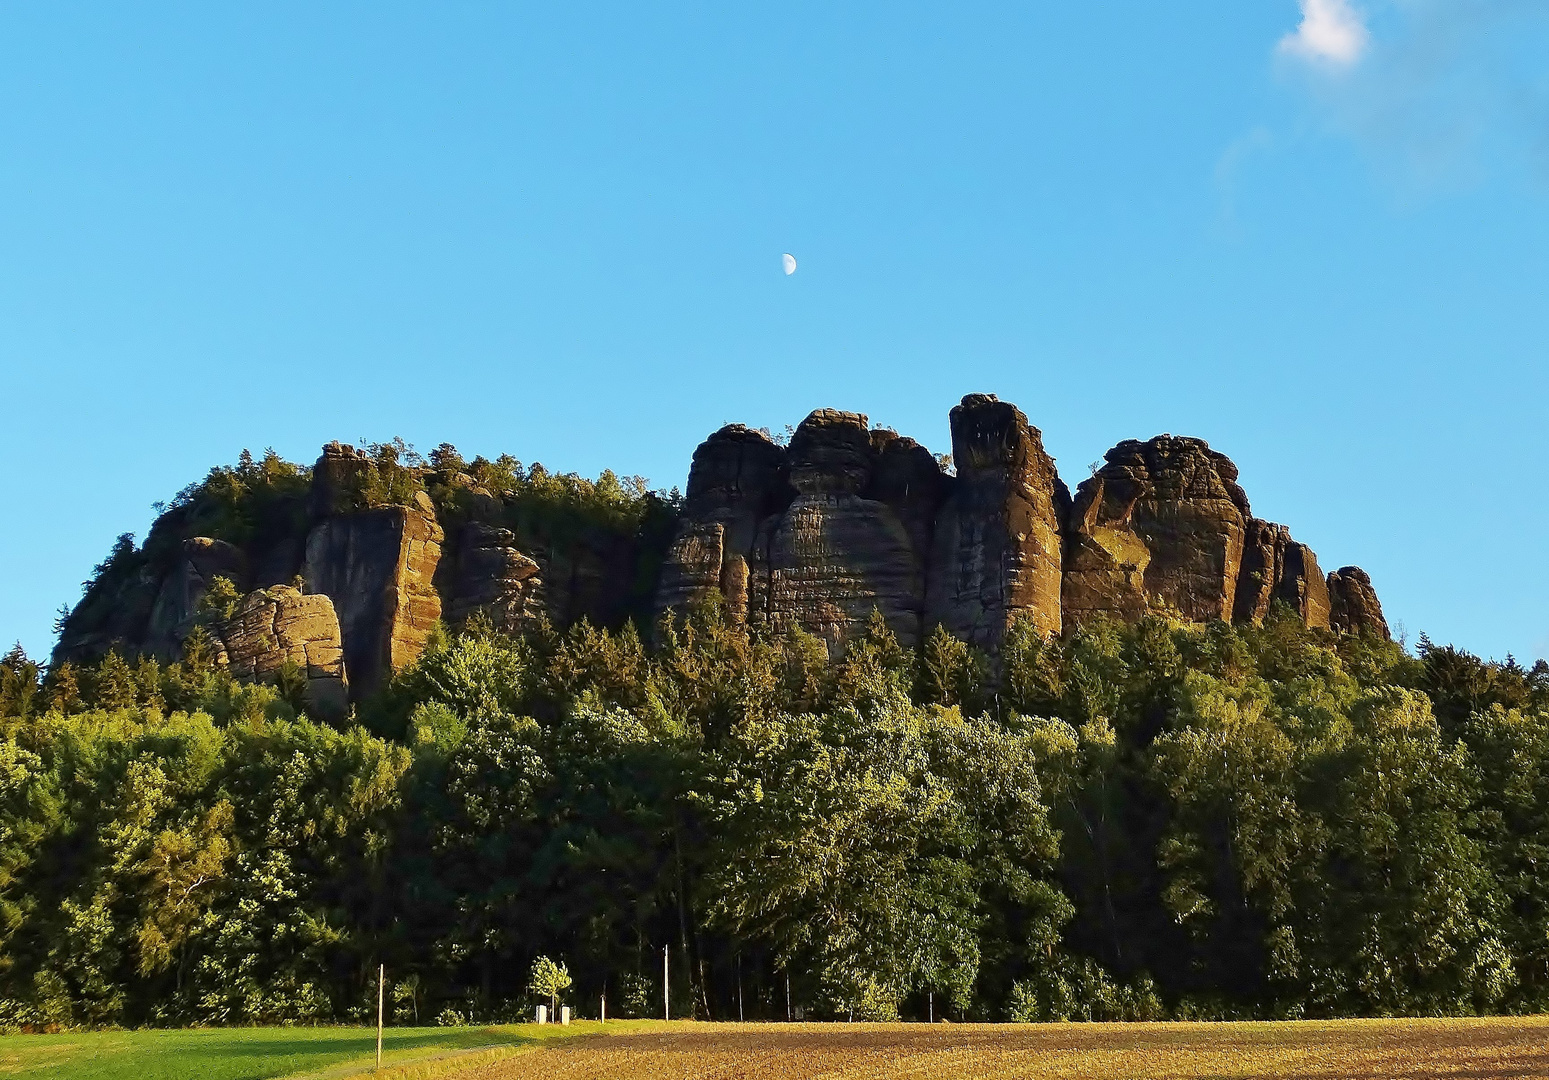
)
(250, 1053)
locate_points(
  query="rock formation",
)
(844, 522)
(1353, 604)
(737, 479)
(848, 523)
(377, 565)
(177, 607)
(997, 551)
(836, 553)
(1160, 525)
(1275, 567)
(280, 625)
(493, 578)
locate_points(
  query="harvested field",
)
(1386, 1049)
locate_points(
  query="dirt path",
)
(1353, 1049)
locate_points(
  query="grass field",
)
(1355, 1049)
(244, 1053)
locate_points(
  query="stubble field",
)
(1491, 1047)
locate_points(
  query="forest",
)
(1144, 821)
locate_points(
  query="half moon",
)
(789, 262)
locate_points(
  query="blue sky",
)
(1315, 235)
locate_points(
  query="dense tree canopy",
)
(1132, 822)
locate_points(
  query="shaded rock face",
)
(1353, 604)
(493, 578)
(378, 567)
(279, 625)
(818, 534)
(177, 601)
(1161, 524)
(338, 470)
(591, 579)
(1276, 567)
(997, 548)
(837, 552)
(738, 478)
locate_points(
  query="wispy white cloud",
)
(1439, 94)
(1331, 32)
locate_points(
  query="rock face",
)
(1160, 525)
(377, 566)
(819, 534)
(1353, 604)
(997, 549)
(494, 579)
(281, 625)
(843, 522)
(1275, 567)
(177, 601)
(847, 520)
(738, 478)
(837, 553)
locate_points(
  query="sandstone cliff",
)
(1353, 604)
(280, 625)
(836, 552)
(344, 569)
(377, 566)
(821, 533)
(997, 549)
(1161, 524)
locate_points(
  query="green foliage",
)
(548, 979)
(238, 503)
(394, 476)
(1127, 823)
(221, 598)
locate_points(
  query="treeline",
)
(1135, 822)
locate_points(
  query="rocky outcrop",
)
(837, 553)
(178, 599)
(1353, 604)
(378, 566)
(737, 479)
(340, 474)
(1159, 526)
(846, 521)
(843, 522)
(493, 578)
(1275, 567)
(997, 548)
(279, 626)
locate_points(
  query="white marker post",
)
(666, 997)
(602, 1013)
(381, 996)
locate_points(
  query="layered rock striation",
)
(841, 523)
(818, 534)
(997, 547)
(1353, 604)
(280, 625)
(345, 577)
